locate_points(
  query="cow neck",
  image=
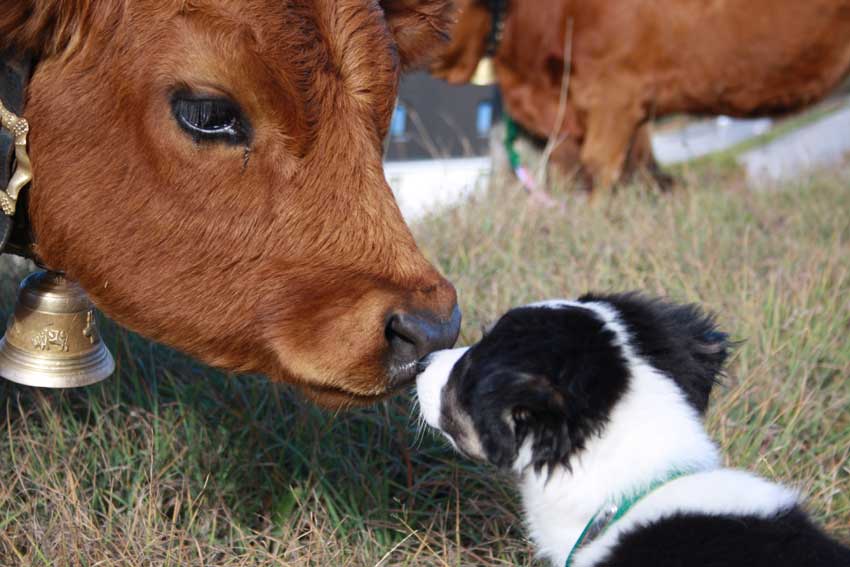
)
(15, 232)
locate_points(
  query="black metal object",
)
(441, 119)
(498, 10)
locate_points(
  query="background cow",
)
(210, 172)
(634, 61)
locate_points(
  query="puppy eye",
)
(210, 118)
(521, 415)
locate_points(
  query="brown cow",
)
(211, 172)
(632, 61)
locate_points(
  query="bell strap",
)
(15, 166)
(21, 173)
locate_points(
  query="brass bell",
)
(52, 339)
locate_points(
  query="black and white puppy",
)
(598, 406)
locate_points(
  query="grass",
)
(171, 463)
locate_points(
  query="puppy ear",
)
(532, 409)
(704, 350)
(683, 341)
(420, 28)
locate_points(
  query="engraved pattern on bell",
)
(52, 340)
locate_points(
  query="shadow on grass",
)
(249, 455)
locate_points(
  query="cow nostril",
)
(412, 337)
(402, 340)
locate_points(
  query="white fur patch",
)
(429, 384)
(554, 304)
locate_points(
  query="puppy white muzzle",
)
(430, 383)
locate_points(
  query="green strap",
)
(511, 135)
(622, 507)
(580, 540)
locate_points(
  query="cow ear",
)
(457, 61)
(420, 28)
(42, 27)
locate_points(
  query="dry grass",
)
(170, 463)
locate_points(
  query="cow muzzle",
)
(412, 337)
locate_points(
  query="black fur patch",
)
(680, 340)
(552, 374)
(692, 540)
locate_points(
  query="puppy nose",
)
(414, 336)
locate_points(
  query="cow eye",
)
(210, 118)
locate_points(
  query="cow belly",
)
(725, 60)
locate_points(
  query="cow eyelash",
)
(213, 119)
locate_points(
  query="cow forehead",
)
(345, 34)
(310, 55)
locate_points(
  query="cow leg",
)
(641, 161)
(566, 161)
(610, 132)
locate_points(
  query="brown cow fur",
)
(632, 61)
(285, 257)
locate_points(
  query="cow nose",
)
(414, 336)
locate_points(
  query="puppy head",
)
(547, 376)
(543, 377)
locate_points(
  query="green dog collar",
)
(609, 514)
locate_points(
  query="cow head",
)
(458, 59)
(210, 171)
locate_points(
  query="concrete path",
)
(426, 185)
(820, 144)
(422, 186)
(705, 137)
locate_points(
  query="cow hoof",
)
(666, 183)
